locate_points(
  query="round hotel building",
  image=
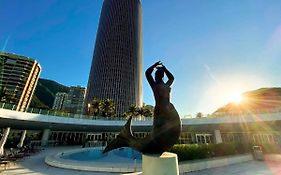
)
(116, 70)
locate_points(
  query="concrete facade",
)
(4, 139)
(45, 137)
(256, 128)
(167, 163)
(217, 134)
(19, 76)
(59, 100)
(74, 100)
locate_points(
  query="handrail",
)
(136, 118)
(70, 115)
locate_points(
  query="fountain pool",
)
(92, 159)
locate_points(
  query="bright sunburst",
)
(236, 98)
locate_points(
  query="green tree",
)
(2, 94)
(150, 110)
(199, 115)
(94, 107)
(107, 107)
(6, 95)
(145, 111)
(126, 115)
(133, 110)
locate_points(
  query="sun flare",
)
(236, 98)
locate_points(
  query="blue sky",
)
(216, 49)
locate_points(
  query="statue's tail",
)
(123, 138)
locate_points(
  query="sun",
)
(236, 98)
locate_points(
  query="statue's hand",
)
(157, 64)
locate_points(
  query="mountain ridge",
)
(45, 92)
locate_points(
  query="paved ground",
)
(247, 168)
(35, 166)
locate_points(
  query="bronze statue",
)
(166, 123)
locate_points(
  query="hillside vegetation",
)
(45, 93)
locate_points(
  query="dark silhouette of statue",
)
(166, 123)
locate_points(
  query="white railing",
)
(70, 115)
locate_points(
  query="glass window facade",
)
(116, 70)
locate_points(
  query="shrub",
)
(190, 152)
(241, 148)
(223, 149)
(194, 151)
(271, 148)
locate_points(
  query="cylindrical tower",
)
(116, 70)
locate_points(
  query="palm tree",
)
(107, 107)
(140, 111)
(94, 107)
(145, 111)
(125, 115)
(133, 110)
(148, 112)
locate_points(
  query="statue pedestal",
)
(165, 164)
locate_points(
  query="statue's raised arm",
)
(149, 71)
(161, 69)
(169, 75)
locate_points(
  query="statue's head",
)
(159, 74)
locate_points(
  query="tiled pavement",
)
(246, 168)
(35, 165)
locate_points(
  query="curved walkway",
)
(246, 168)
(35, 165)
